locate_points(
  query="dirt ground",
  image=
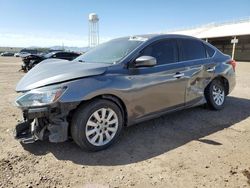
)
(191, 148)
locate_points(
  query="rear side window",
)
(60, 55)
(73, 55)
(63, 55)
(210, 51)
(56, 55)
(165, 51)
(70, 56)
(192, 49)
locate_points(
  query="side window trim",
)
(180, 56)
(207, 55)
(205, 50)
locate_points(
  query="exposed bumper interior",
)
(44, 124)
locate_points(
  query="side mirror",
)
(145, 61)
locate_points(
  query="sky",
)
(45, 23)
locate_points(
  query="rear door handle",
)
(178, 75)
(211, 69)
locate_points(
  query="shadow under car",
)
(152, 138)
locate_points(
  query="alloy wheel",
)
(101, 126)
(218, 95)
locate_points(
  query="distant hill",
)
(67, 48)
(10, 49)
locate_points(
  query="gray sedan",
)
(120, 83)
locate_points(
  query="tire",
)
(91, 130)
(215, 95)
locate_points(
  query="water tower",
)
(93, 30)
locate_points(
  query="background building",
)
(231, 38)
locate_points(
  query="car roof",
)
(146, 37)
(151, 36)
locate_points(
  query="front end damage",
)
(48, 95)
(44, 123)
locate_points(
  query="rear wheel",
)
(215, 95)
(97, 124)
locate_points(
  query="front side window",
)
(192, 49)
(165, 52)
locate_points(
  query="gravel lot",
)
(191, 148)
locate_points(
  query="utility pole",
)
(234, 41)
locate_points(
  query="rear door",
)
(200, 68)
(161, 87)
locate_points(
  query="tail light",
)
(233, 63)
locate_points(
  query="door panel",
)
(157, 89)
(199, 74)
(162, 87)
(200, 68)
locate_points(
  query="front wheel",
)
(97, 124)
(215, 95)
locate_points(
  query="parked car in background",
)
(17, 54)
(32, 60)
(21, 54)
(7, 54)
(29, 51)
(120, 83)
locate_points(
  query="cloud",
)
(45, 40)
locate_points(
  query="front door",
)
(161, 87)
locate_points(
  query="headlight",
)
(40, 97)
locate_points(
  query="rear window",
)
(192, 49)
(210, 51)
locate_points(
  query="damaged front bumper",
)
(44, 123)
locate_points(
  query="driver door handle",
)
(211, 69)
(178, 75)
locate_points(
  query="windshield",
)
(110, 52)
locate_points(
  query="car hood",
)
(51, 72)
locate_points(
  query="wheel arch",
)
(223, 80)
(113, 98)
